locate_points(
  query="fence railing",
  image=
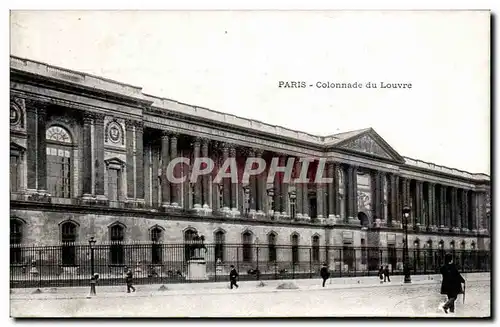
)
(72, 264)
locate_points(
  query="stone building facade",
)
(88, 158)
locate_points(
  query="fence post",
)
(257, 272)
(40, 269)
(238, 258)
(310, 263)
(341, 262)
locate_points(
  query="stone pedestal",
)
(197, 270)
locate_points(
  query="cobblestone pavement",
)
(387, 301)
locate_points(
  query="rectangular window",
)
(295, 254)
(14, 173)
(156, 253)
(247, 252)
(68, 254)
(315, 253)
(363, 252)
(58, 172)
(113, 184)
(272, 252)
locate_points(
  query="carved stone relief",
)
(368, 145)
(17, 113)
(114, 134)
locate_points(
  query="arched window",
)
(271, 245)
(156, 254)
(247, 246)
(16, 238)
(219, 245)
(315, 248)
(116, 249)
(189, 236)
(68, 239)
(59, 161)
(295, 249)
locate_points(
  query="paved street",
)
(396, 300)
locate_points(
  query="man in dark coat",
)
(387, 274)
(451, 284)
(233, 274)
(381, 274)
(324, 273)
(128, 280)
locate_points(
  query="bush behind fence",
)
(72, 264)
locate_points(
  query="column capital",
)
(87, 118)
(196, 141)
(139, 125)
(35, 105)
(129, 124)
(165, 136)
(232, 151)
(259, 153)
(98, 118)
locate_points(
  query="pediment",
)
(372, 144)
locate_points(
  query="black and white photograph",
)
(250, 164)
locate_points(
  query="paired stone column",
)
(473, 211)
(305, 200)
(87, 156)
(320, 196)
(226, 182)
(392, 216)
(262, 186)
(234, 187)
(129, 140)
(99, 156)
(299, 190)
(444, 208)
(206, 178)
(42, 149)
(419, 197)
(278, 188)
(432, 207)
(198, 184)
(165, 160)
(285, 199)
(139, 162)
(332, 210)
(174, 187)
(465, 210)
(31, 144)
(398, 213)
(453, 217)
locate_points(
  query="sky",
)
(233, 62)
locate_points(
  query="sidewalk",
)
(222, 287)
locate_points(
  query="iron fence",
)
(72, 264)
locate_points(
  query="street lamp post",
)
(92, 242)
(406, 269)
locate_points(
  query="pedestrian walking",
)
(451, 284)
(324, 273)
(93, 282)
(381, 274)
(387, 274)
(128, 280)
(233, 275)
